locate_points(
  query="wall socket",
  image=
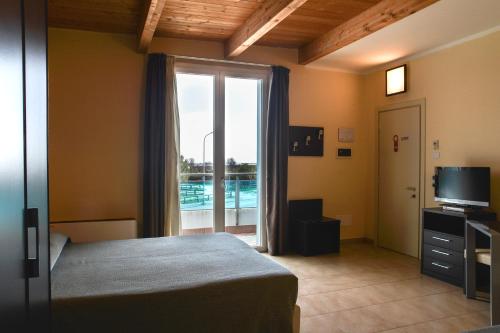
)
(345, 220)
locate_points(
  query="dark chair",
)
(311, 232)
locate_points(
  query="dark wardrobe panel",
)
(12, 254)
(24, 244)
(35, 36)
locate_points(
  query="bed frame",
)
(296, 319)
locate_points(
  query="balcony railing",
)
(196, 190)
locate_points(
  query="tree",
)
(249, 169)
(185, 167)
(231, 164)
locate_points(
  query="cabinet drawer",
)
(432, 252)
(444, 268)
(445, 241)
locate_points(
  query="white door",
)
(399, 180)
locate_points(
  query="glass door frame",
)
(220, 71)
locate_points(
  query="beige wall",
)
(96, 88)
(461, 86)
(95, 94)
(95, 99)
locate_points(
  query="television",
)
(463, 186)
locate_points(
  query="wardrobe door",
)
(35, 40)
(12, 245)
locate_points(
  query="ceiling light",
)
(395, 80)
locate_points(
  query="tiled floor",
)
(367, 289)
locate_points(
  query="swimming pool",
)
(197, 195)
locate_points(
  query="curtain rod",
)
(220, 60)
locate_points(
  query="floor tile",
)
(369, 289)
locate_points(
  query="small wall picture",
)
(346, 134)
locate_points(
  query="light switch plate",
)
(435, 145)
(344, 152)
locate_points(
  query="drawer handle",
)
(442, 266)
(440, 252)
(441, 239)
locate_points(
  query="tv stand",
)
(443, 242)
(461, 209)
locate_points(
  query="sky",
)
(196, 99)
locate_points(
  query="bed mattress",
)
(202, 283)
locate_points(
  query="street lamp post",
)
(204, 138)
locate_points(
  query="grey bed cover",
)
(202, 283)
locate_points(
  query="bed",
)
(202, 283)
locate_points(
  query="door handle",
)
(32, 263)
(222, 183)
(411, 188)
(439, 265)
(441, 239)
(441, 252)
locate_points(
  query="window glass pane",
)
(241, 139)
(196, 113)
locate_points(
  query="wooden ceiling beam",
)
(270, 14)
(375, 18)
(149, 22)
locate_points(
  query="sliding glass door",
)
(196, 102)
(221, 119)
(243, 99)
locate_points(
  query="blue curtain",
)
(154, 147)
(277, 162)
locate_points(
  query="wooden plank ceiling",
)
(121, 16)
(312, 20)
(205, 19)
(296, 24)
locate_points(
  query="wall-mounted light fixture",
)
(395, 80)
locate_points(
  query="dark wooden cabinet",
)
(316, 236)
(443, 243)
(311, 232)
(24, 247)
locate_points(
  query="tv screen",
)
(466, 186)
